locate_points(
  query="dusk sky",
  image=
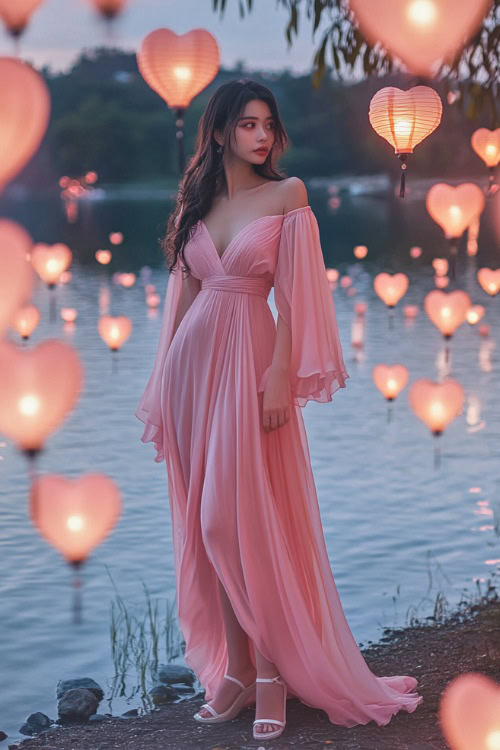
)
(59, 29)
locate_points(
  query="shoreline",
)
(434, 653)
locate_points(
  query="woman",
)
(258, 606)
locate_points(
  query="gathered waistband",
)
(244, 284)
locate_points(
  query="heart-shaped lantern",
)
(390, 287)
(454, 208)
(16, 274)
(405, 118)
(25, 320)
(114, 330)
(38, 388)
(24, 114)
(16, 15)
(422, 33)
(489, 280)
(177, 66)
(436, 404)
(447, 310)
(486, 144)
(390, 379)
(75, 515)
(469, 712)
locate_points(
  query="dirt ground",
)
(434, 654)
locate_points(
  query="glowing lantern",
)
(474, 314)
(489, 280)
(484, 330)
(149, 289)
(360, 308)
(38, 388)
(441, 281)
(447, 310)
(453, 208)
(103, 257)
(332, 276)
(16, 274)
(109, 8)
(25, 109)
(390, 287)
(69, 314)
(91, 178)
(469, 712)
(127, 279)
(16, 14)
(440, 266)
(116, 238)
(153, 300)
(114, 331)
(436, 404)
(410, 311)
(178, 68)
(360, 251)
(26, 320)
(75, 515)
(422, 33)
(390, 379)
(404, 119)
(486, 144)
(49, 261)
(415, 252)
(345, 282)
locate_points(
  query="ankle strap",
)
(276, 678)
(238, 682)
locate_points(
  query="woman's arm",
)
(276, 402)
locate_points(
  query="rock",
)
(169, 673)
(82, 682)
(98, 717)
(3, 736)
(131, 712)
(37, 722)
(26, 729)
(12, 747)
(162, 694)
(77, 704)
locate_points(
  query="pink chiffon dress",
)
(243, 501)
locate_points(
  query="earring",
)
(219, 150)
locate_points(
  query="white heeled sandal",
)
(276, 732)
(233, 710)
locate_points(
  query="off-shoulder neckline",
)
(251, 223)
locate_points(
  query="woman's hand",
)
(276, 402)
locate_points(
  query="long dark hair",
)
(204, 172)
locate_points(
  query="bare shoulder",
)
(293, 194)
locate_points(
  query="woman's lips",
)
(261, 150)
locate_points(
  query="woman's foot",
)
(269, 704)
(228, 691)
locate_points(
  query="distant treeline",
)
(106, 118)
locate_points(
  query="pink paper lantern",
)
(469, 712)
(447, 310)
(436, 404)
(391, 287)
(16, 274)
(390, 379)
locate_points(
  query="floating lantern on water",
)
(38, 389)
(404, 119)
(486, 144)
(390, 288)
(453, 208)
(91, 178)
(332, 276)
(440, 266)
(75, 516)
(360, 251)
(422, 33)
(16, 274)
(69, 314)
(360, 308)
(345, 282)
(390, 381)
(469, 712)
(25, 116)
(447, 310)
(178, 67)
(410, 311)
(25, 320)
(16, 14)
(436, 404)
(474, 314)
(103, 257)
(127, 279)
(116, 238)
(153, 300)
(50, 261)
(114, 331)
(415, 252)
(441, 282)
(489, 280)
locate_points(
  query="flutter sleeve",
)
(149, 409)
(304, 300)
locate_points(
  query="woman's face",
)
(254, 129)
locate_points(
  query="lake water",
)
(398, 530)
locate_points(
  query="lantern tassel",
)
(402, 158)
